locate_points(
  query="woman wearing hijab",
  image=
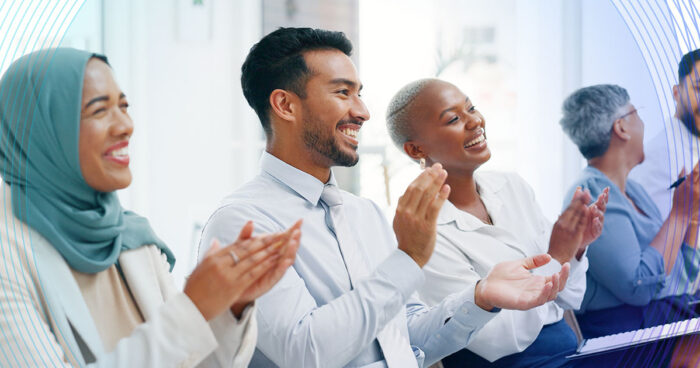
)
(492, 217)
(84, 282)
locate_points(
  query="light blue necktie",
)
(395, 346)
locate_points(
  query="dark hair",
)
(685, 66)
(277, 61)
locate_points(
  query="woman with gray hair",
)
(642, 267)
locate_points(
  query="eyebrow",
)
(101, 98)
(347, 82)
(451, 108)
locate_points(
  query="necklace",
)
(488, 219)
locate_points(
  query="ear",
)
(413, 150)
(284, 104)
(676, 93)
(620, 130)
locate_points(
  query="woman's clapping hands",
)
(233, 276)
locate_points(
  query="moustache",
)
(349, 121)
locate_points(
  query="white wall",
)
(623, 44)
(194, 130)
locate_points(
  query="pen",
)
(677, 182)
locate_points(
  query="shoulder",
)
(16, 234)
(359, 203)
(591, 179)
(256, 200)
(503, 180)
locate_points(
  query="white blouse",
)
(466, 249)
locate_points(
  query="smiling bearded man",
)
(349, 299)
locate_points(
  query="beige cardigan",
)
(44, 320)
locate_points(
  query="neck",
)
(614, 166)
(463, 193)
(300, 159)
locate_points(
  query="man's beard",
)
(687, 117)
(315, 138)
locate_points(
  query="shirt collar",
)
(488, 188)
(304, 184)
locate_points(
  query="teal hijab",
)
(40, 103)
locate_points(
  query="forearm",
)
(448, 326)
(299, 332)
(669, 239)
(571, 296)
(691, 234)
(514, 331)
(177, 335)
(236, 339)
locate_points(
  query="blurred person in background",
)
(642, 267)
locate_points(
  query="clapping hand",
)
(415, 222)
(511, 285)
(286, 258)
(568, 232)
(686, 198)
(686, 205)
(594, 221)
(233, 276)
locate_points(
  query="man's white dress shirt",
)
(671, 150)
(315, 317)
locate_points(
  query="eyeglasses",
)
(629, 113)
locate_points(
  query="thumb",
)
(215, 246)
(246, 231)
(576, 192)
(536, 261)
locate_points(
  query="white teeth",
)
(124, 151)
(350, 132)
(476, 140)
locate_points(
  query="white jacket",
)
(44, 321)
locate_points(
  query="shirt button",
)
(639, 282)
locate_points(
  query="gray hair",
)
(589, 114)
(398, 114)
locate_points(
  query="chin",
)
(115, 183)
(347, 161)
(483, 157)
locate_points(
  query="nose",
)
(473, 121)
(359, 110)
(122, 125)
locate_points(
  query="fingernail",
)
(445, 189)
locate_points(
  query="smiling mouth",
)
(479, 138)
(121, 152)
(350, 130)
(119, 155)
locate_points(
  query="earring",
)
(422, 163)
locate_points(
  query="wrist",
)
(561, 258)
(420, 261)
(479, 298)
(677, 215)
(238, 308)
